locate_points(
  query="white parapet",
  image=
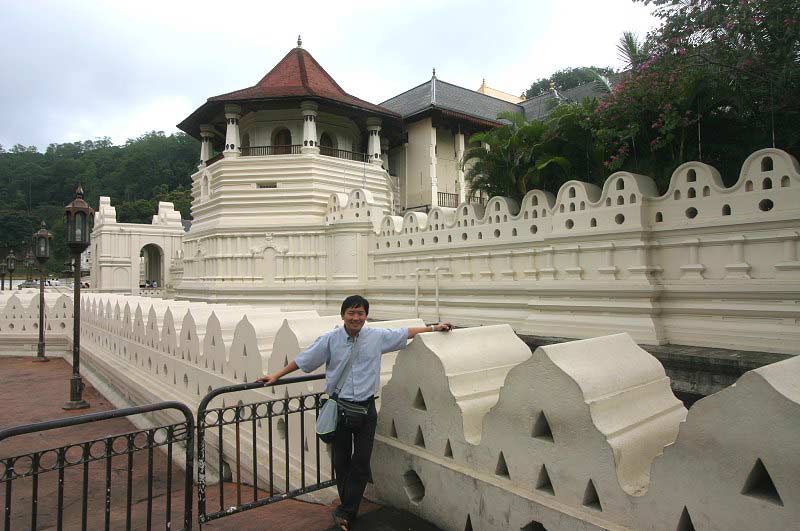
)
(571, 434)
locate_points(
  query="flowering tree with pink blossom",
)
(722, 79)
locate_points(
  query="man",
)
(352, 446)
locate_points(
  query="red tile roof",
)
(298, 74)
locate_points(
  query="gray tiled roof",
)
(539, 107)
(443, 95)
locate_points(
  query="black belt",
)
(366, 402)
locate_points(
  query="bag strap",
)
(346, 371)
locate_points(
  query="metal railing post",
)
(436, 275)
(416, 289)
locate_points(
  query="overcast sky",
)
(81, 70)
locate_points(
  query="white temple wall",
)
(700, 265)
(473, 427)
(420, 162)
(446, 162)
(116, 247)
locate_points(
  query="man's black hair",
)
(355, 301)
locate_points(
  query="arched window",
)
(326, 144)
(282, 142)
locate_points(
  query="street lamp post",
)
(11, 265)
(77, 214)
(2, 275)
(28, 262)
(41, 250)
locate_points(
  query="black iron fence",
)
(263, 472)
(24, 476)
(267, 451)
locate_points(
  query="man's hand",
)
(269, 379)
(442, 327)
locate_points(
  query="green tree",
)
(566, 79)
(519, 158)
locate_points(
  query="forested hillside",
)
(36, 186)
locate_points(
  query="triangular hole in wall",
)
(468, 526)
(48, 326)
(285, 361)
(244, 351)
(213, 342)
(305, 445)
(541, 428)
(174, 381)
(244, 378)
(393, 430)
(543, 482)
(759, 484)
(419, 401)
(448, 450)
(502, 468)
(419, 440)
(685, 522)
(590, 498)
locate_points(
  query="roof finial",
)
(299, 42)
(434, 71)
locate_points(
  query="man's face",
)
(354, 319)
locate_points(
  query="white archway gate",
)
(126, 254)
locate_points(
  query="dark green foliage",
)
(567, 79)
(715, 82)
(136, 175)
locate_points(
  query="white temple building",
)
(306, 194)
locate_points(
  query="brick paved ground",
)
(32, 392)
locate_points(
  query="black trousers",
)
(352, 450)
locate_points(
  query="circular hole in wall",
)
(435, 239)
(463, 235)
(534, 229)
(497, 233)
(765, 205)
(620, 219)
(569, 224)
(691, 213)
(412, 484)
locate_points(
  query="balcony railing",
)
(447, 199)
(214, 159)
(264, 151)
(343, 154)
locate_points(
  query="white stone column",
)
(310, 141)
(434, 179)
(462, 191)
(232, 143)
(385, 153)
(374, 140)
(206, 133)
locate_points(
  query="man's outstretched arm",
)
(440, 327)
(272, 378)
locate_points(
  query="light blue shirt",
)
(336, 346)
